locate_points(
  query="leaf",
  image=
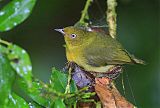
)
(20, 61)
(58, 103)
(73, 87)
(3, 49)
(35, 105)
(36, 92)
(16, 102)
(58, 81)
(7, 76)
(14, 13)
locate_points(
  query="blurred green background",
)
(138, 25)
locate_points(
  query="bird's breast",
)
(70, 56)
(73, 54)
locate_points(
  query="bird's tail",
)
(137, 61)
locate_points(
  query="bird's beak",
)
(60, 30)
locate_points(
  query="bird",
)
(95, 51)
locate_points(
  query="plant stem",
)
(68, 82)
(111, 17)
(85, 12)
(111, 20)
(5, 42)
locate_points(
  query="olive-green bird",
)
(94, 51)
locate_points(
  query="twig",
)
(68, 82)
(5, 42)
(111, 17)
(84, 14)
(121, 102)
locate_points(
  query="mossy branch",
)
(84, 14)
(111, 17)
(104, 87)
(112, 24)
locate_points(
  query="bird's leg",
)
(114, 72)
(65, 69)
(69, 65)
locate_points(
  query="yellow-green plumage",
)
(95, 51)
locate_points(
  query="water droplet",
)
(2, 13)
(12, 52)
(30, 105)
(38, 83)
(17, 3)
(29, 68)
(16, 10)
(50, 81)
(8, 28)
(23, 51)
(25, 69)
(26, 10)
(10, 97)
(17, 69)
(89, 29)
(14, 23)
(1, 81)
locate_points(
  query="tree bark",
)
(109, 95)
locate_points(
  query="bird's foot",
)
(69, 65)
(114, 72)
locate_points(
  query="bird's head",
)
(75, 36)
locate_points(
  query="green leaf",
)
(35, 105)
(16, 102)
(58, 103)
(7, 76)
(3, 49)
(14, 13)
(73, 87)
(58, 81)
(36, 92)
(20, 61)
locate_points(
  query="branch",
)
(4, 42)
(114, 97)
(105, 90)
(104, 87)
(84, 14)
(109, 95)
(111, 17)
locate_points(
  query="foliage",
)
(14, 13)
(16, 68)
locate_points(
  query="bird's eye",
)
(73, 35)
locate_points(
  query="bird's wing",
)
(101, 54)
